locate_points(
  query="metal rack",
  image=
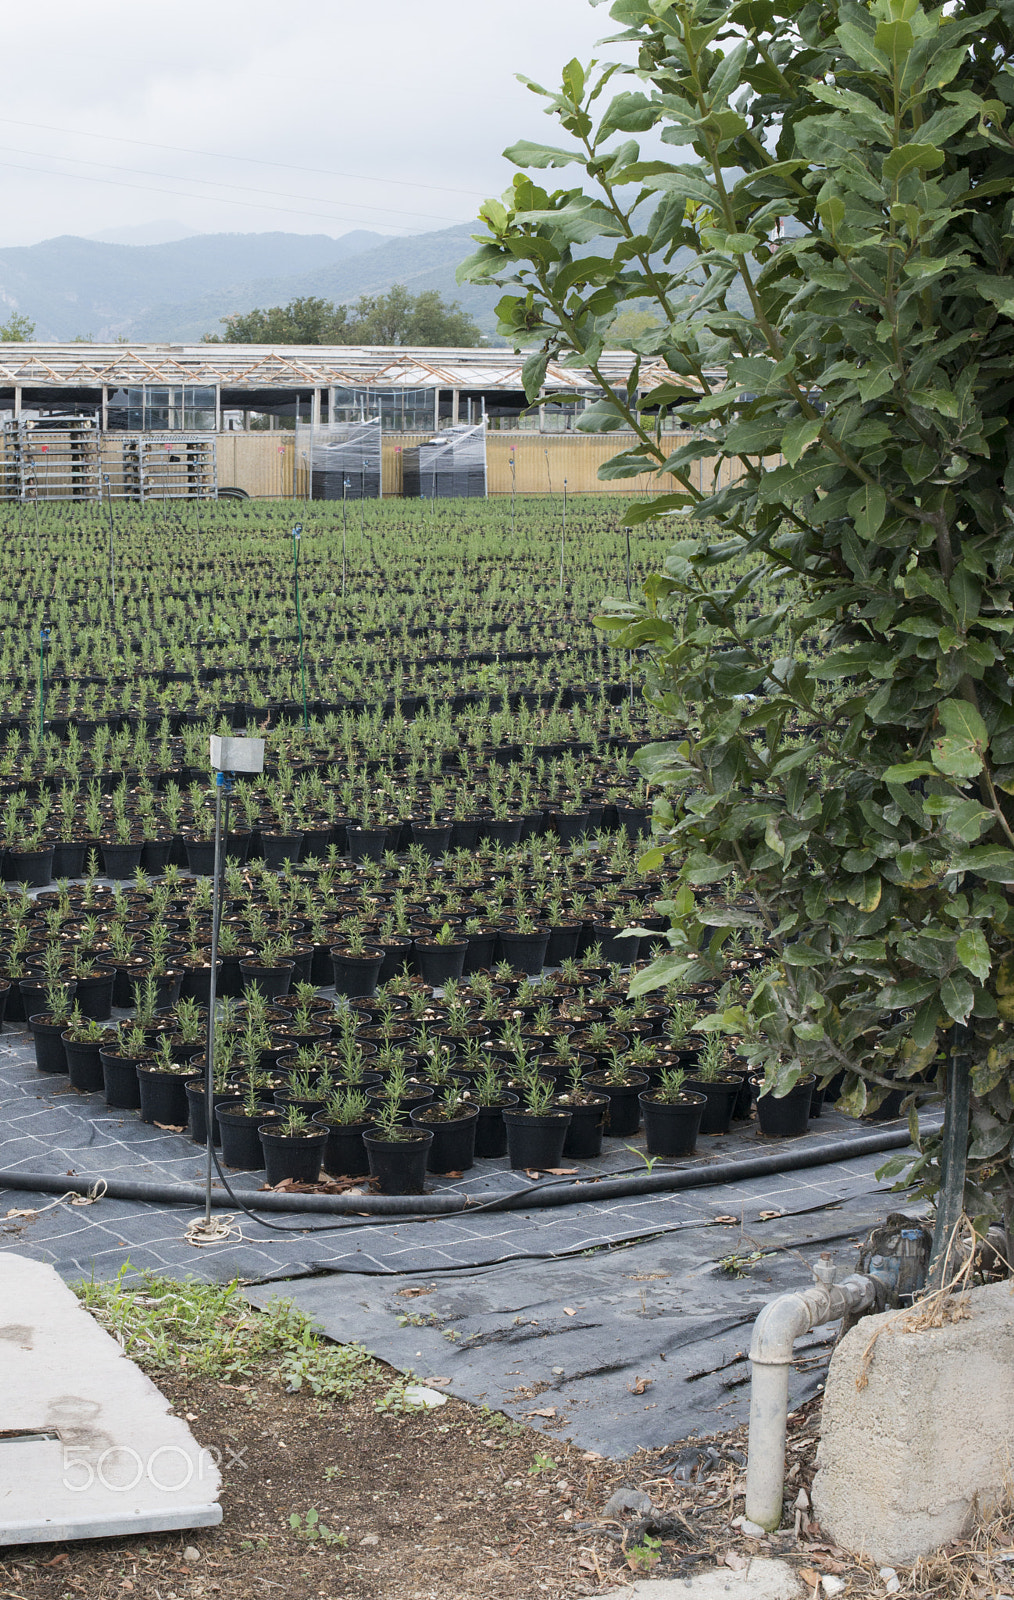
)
(165, 466)
(51, 459)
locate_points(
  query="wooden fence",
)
(262, 464)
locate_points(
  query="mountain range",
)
(179, 290)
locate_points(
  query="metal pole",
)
(345, 526)
(563, 530)
(35, 505)
(112, 559)
(513, 488)
(954, 1155)
(296, 536)
(630, 653)
(43, 641)
(223, 784)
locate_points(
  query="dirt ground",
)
(348, 1503)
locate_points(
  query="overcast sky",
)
(402, 107)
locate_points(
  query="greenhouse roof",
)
(288, 367)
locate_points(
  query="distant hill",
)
(163, 231)
(70, 286)
(425, 261)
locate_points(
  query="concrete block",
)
(762, 1579)
(88, 1448)
(902, 1461)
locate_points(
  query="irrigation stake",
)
(950, 1202)
(112, 562)
(513, 487)
(296, 536)
(223, 784)
(630, 653)
(227, 756)
(346, 486)
(43, 642)
(33, 480)
(563, 530)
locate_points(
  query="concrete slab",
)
(88, 1448)
(761, 1580)
(917, 1429)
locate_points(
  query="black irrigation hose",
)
(410, 1208)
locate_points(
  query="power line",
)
(257, 161)
(147, 188)
(45, 155)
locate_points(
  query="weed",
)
(207, 1330)
(737, 1266)
(314, 1531)
(642, 1557)
(501, 1423)
(542, 1463)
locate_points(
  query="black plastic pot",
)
(504, 830)
(309, 1107)
(295, 1156)
(69, 859)
(624, 1115)
(480, 952)
(281, 847)
(435, 841)
(345, 1153)
(271, 981)
(200, 856)
(84, 1069)
(240, 1136)
(5, 994)
(121, 861)
(34, 997)
(154, 856)
(367, 844)
(491, 1130)
(526, 952)
(562, 944)
(397, 952)
(398, 1166)
(453, 1147)
(721, 1096)
(198, 1127)
(356, 975)
(163, 1097)
(230, 979)
(787, 1116)
(196, 983)
(95, 994)
(119, 1078)
(535, 1141)
(50, 1055)
(408, 1102)
(889, 1107)
(672, 1129)
(32, 867)
(587, 1125)
(436, 963)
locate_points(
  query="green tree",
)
(394, 318)
(18, 329)
(850, 170)
(310, 320)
